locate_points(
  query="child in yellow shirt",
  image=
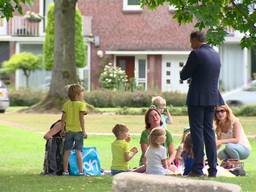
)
(120, 152)
(73, 119)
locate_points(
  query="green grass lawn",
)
(22, 152)
(101, 122)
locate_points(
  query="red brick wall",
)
(143, 30)
(35, 7)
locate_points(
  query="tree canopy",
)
(215, 16)
(7, 7)
(27, 62)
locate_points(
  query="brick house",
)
(149, 45)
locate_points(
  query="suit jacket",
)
(203, 68)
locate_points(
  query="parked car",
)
(246, 96)
(4, 98)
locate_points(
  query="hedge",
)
(106, 98)
(25, 97)
(123, 100)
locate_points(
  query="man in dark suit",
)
(202, 68)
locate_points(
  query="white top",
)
(243, 139)
(154, 156)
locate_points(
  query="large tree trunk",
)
(64, 70)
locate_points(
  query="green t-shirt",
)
(144, 140)
(72, 110)
(118, 148)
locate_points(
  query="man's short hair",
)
(198, 35)
(119, 128)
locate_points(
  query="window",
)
(140, 72)
(168, 64)
(142, 68)
(168, 73)
(122, 64)
(131, 5)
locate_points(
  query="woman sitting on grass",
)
(230, 133)
(153, 120)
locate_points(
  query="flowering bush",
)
(33, 17)
(113, 78)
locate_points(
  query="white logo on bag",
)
(91, 164)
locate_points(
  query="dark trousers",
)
(202, 133)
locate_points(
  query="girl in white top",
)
(155, 156)
(230, 133)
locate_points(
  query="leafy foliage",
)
(8, 7)
(108, 98)
(48, 47)
(25, 97)
(216, 16)
(25, 61)
(113, 78)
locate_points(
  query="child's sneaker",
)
(81, 174)
(65, 173)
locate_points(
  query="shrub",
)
(245, 111)
(25, 61)
(107, 98)
(174, 98)
(25, 97)
(178, 110)
(113, 78)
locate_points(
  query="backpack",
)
(53, 161)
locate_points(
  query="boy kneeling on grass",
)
(120, 152)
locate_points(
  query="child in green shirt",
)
(120, 152)
(73, 119)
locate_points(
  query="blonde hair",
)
(154, 134)
(74, 90)
(230, 118)
(158, 101)
(119, 128)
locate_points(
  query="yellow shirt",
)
(72, 110)
(118, 148)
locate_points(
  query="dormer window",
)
(131, 5)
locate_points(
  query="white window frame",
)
(41, 12)
(127, 7)
(141, 80)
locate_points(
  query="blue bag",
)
(91, 162)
